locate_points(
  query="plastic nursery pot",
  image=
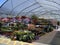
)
(29, 41)
(13, 37)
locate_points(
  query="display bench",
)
(24, 30)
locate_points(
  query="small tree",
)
(34, 18)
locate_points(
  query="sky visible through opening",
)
(2, 1)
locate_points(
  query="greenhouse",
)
(29, 22)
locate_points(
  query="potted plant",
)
(26, 36)
(34, 18)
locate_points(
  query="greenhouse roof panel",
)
(28, 7)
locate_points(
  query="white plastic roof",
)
(42, 8)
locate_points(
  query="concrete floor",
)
(52, 38)
(47, 38)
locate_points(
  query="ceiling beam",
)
(3, 3)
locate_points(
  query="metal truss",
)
(53, 2)
(17, 5)
(27, 7)
(3, 3)
(33, 9)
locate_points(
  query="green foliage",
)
(34, 16)
(4, 28)
(24, 35)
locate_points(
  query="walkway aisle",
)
(47, 38)
(52, 38)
